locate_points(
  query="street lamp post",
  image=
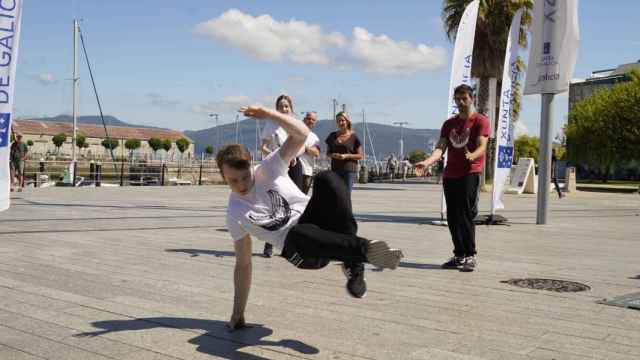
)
(401, 124)
(335, 103)
(217, 139)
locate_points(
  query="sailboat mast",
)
(364, 145)
(76, 83)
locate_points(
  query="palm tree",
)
(492, 32)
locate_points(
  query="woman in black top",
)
(344, 149)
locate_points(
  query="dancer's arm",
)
(441, 147)
(297, 131)
(241, 282)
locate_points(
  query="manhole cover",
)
(548, 284)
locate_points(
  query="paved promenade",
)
(146, 273)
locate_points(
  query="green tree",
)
(604, 129)
(166, 145)
(29, 142)
(417, 156)
(492, 33)
(155, 144)
(182, 144)
(110, 143)
(209, 150)
(131, 145)
(58, 140)
(526, 146)
(81, 140)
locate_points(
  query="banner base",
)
(440, 223)
(491, 220)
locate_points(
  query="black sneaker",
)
(453, 263)
(356, 284)
(469, 264)
(268, 250)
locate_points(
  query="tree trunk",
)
(482, 101)
(487, 99)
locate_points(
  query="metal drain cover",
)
(548, 284)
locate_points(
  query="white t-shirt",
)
(306, 160)
(274, 134)
(271, 208)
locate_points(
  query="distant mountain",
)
(91, 119)
(385, 138)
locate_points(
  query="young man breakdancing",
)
(310, 232)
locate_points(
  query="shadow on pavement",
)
(122, 207)
(198, 252)
(377, 189)
(374, 218)
(217, 340)
(420, 266)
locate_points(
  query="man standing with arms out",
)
(465, 137)
(310, 232)
(311, 151)
(18, 155)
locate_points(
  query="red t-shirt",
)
(463, 134)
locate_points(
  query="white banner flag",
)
(504, 133)
(554, 46)
(461, 63)
(10, 14)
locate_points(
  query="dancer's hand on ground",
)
(255, 111)
(236, 323)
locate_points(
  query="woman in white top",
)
(273, 136)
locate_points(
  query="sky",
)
(172, 63)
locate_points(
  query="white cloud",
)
(236, 100)
(205, 108)
(267, 39)
(380, 54)
(46, 79)
(161, 101)
(229, 103)
(295, 41)
(296, 78)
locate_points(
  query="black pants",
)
(555, 183)
(306, 183)
(327, 229)
(461, 195)
(295, 173)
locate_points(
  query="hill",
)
(91, 119)
(385, 138)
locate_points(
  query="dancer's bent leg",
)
(327, 229)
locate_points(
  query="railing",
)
(125, 173)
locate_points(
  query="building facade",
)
(600, 79)
(603, 80)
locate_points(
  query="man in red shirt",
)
(465, 137)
